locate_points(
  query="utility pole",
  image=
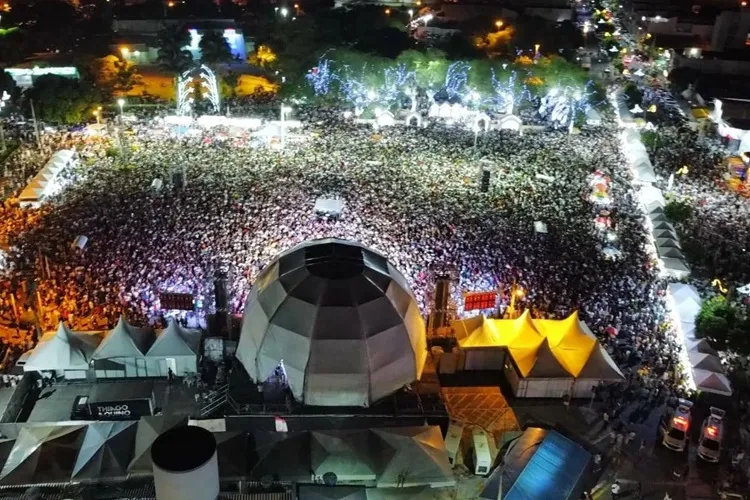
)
(36, 126)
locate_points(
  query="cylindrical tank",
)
(185, 464)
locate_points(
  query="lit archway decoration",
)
(414, 118)
(185, 88)
(482, 122)
(510, 122)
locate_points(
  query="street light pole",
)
(36, 126)
(284, 111)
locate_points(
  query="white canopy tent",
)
(45, 183)
(707, 370)
(715, 383)
(122, 352)
(64, 352)
(176, 348)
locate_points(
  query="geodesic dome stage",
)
(342, 320)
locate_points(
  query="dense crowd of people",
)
(412, 194)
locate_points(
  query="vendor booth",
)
(541, 358)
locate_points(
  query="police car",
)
(709, 445)
(675, 425)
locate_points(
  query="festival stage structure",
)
(340, 321)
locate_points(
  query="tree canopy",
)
(62, 100)
(214, 48)
(172, 55)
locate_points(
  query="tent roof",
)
(124, 341)
(175, 341)
(681, 292)
(699, 345)
(546, 364)
(63, 350)
(42, 453)
(705, 361)
(667, 242)
(601, 366)
(106, 450)
(351, 455)
(555, 471)
(149, 428)
(420, 458)
(670, 252)
(538, 347)
(716, 383)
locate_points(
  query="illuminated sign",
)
(480, 300)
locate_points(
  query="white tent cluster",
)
(339, 318)
(125, 351)
(707, 371)
(666, 243)
(46, 182)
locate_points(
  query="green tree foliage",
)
(721, 324)
(7, 84)
(633, 94)
(11, 45)
(62, 100)
(714, 321)
(214, 48)
(126, 77)
(678, 211)
(229, 83)
(172, 54)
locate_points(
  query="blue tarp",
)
(554, 472)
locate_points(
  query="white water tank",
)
(185, 464)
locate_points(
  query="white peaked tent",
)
(122, 352)
(703, 361)
(176, 348)
(420, 458)
(708, 372)
(63, 351)
(45, 182)
(686, 300)
(651, 197)
(715, 383)
(699, 345)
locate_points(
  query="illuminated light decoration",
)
(561, 106)
(652, 108)
(321, 77)
(456, 78)
(636, 110)
(613, 49)
(184, 97)
(185, 89)
(504, 98)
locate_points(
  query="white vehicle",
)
(675, 426)
(481, 453)
(453, 441)
(712, 432)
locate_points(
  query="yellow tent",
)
(566, 342)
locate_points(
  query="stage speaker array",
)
(484, 186)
